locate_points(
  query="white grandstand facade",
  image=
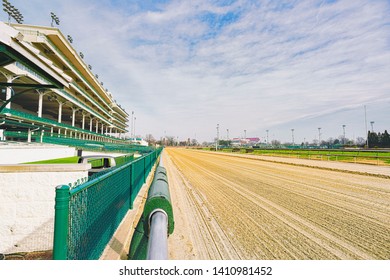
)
(47, 90)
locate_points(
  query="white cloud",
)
(183, 70)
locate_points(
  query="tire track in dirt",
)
(200, 233)
(257, 218)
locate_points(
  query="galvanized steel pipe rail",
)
(158, 236)
(150, 239)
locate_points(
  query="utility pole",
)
(216, 142)
(319, 136)
(292, 133)
(344, 134)
(365, 121)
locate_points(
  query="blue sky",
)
(185, 66)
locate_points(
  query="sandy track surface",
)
(238, 208)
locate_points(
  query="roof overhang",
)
(9, 55)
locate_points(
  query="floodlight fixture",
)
(54, 19)
(70, 39)
(12, 12)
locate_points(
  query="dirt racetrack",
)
(239, 208)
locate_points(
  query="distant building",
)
(251, 141)
(138, 141)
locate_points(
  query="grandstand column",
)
(60, 110)
(74, 110)
(90, 124)
(102, 129)
(83, 121)
(41, 93)
(97, 126)
(8, 95)
(9, 90)
(29, 136)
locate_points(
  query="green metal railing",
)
(88, 214)
(49, 122)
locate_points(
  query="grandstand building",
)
(48, 91)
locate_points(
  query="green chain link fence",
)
(88, 214)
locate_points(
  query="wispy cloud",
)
(184, 66)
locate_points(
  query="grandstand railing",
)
(82, 144)
(53, 123)
(87, 214)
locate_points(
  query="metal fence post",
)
(131, 187)
(61, 223)
(144, 171)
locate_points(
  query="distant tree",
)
(373, 139)
(170, 141)
(360, 141)
(150, 139)
(380, 140)
(194, 142)
(385, 140)
(275, 143)
(224, 142)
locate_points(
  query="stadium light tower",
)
(372, 126)
(292, 135)
(54, 19)
(12, 12)
(344, 134)
(319, 136)
(216, 142)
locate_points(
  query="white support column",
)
(102, 129)
(83, 122)
(90, 124)
(60, 111)
(8, 91)
(40, 101)
(97, 126)
(41, 94)
(74, 110)
(8, 95)
(29, 136)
